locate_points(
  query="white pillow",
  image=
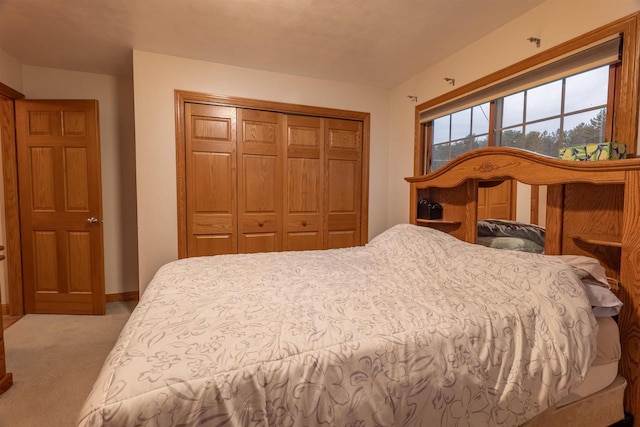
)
(585, 266)
(603, 302)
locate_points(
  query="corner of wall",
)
(11, 71)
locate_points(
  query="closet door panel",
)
(342, 239)
(259, 242)
(304, 241)
(303, 186)
(212, 190)
(304, 204)
(259, 181)
(214, 244)
(211, 179)
(304, 190)
(343, 177)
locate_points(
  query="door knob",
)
(92, 220)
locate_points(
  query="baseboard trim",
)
(124, 296)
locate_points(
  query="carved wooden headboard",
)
(593, 209)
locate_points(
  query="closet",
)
(270, 179)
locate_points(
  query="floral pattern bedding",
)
(415, 328)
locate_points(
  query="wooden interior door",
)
(343, 178)
(259, 181)
(497, 202)
(60, 206)
(304, 187)
(211, 179)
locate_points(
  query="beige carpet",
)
(54, 360)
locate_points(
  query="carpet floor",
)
(54, 360)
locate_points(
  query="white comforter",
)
(416, 328)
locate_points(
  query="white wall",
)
(523, 202)
(115, 97)
(554, 22)
(155, 79)
(10, 71)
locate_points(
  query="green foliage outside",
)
(548, 142)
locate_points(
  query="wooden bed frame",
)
(593, 209)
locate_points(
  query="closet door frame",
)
(181, 97)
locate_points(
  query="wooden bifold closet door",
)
(304, 172)
(210, 165)
(259, 181)
(264, 181)
(343, 144)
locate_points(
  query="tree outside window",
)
(566, 112)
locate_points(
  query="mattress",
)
(604, 368)
(602, 408)
(599, 400)
(417, 327)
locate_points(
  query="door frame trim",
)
(181, 97)
(13, 244)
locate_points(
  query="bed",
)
(414, 326)
(592, 209)
(418, 327)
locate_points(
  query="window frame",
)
(624, 99)
(562, 115)
(485, 135)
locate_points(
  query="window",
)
(584, 90)
(458, 133)
(563, 113)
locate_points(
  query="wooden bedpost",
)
(629, 319)
(555, 210)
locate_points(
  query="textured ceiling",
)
(372, 42)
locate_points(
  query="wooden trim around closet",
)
(364, 210)
(13, 250)
(181, 97)
(10, 92)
